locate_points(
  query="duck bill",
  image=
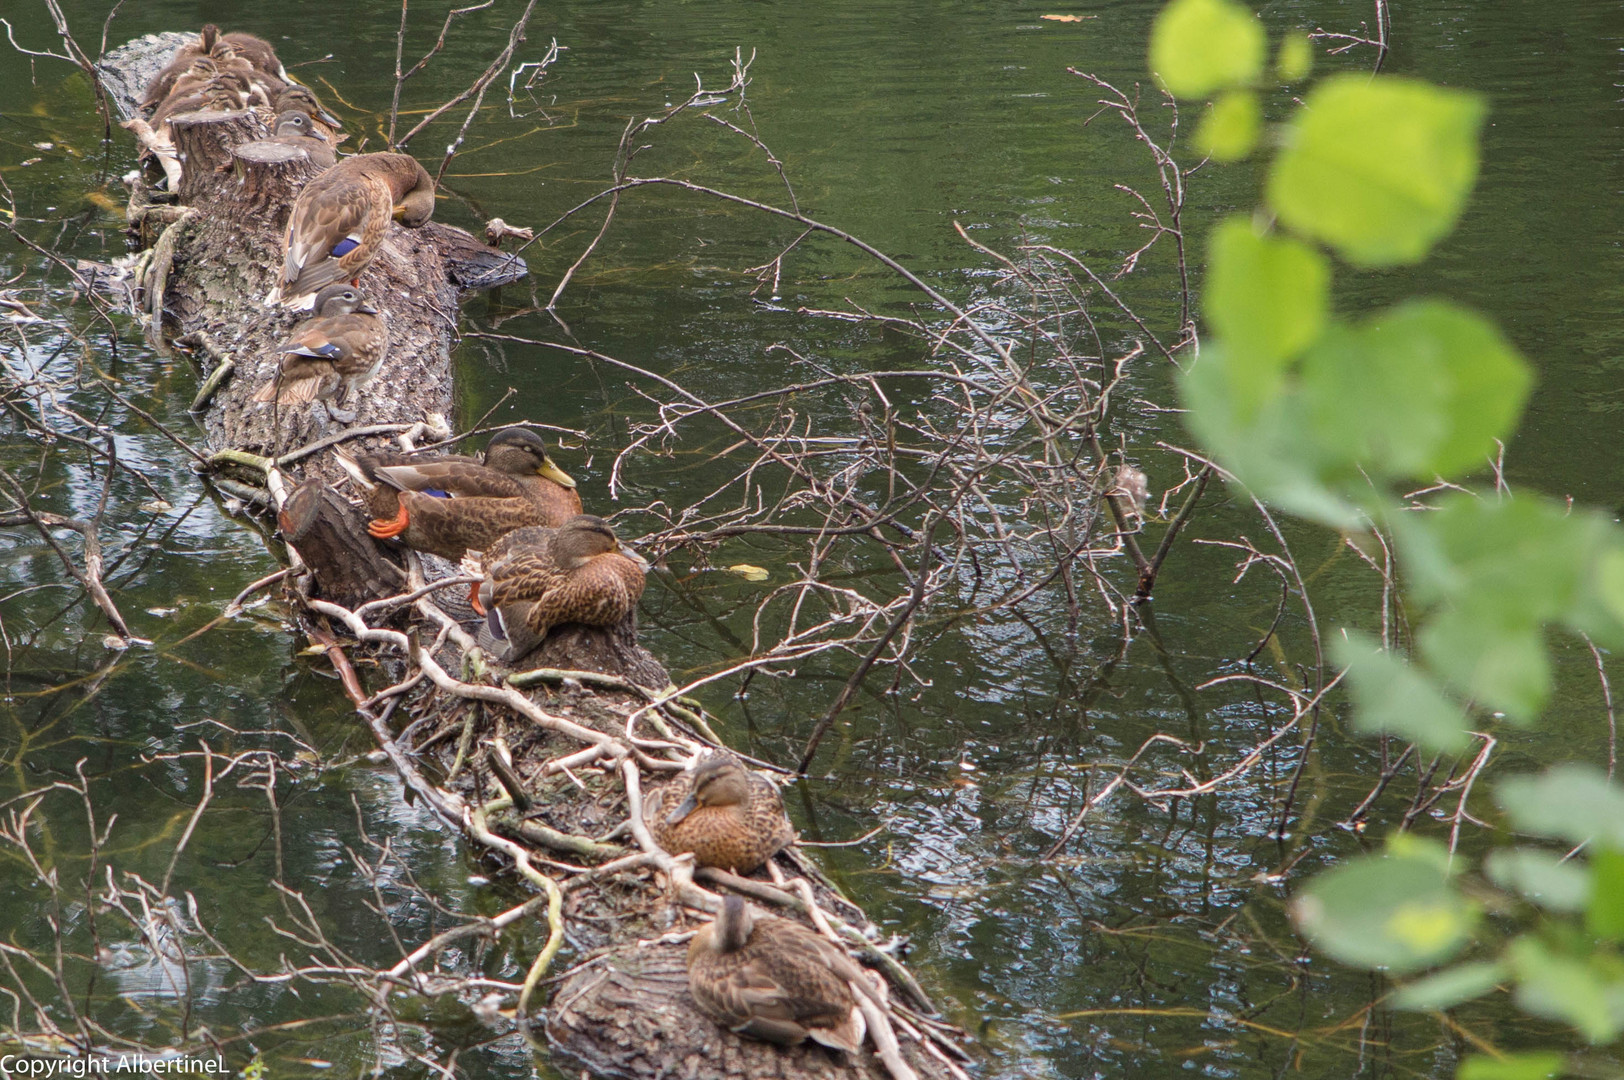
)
(328, 118)
(642, 563)
(684, 808)
(549, 468)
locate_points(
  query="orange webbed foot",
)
(384, 528)
(473, 599)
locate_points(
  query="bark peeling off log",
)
(582, 745)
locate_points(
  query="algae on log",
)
(583, 746)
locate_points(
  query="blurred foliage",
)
(1333, 420)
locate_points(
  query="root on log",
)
(585, 740)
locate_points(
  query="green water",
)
(1157, 940)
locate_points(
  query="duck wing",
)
(343, 217)
(465, 479)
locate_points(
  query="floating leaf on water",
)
(748, 572)
(113, 641)
(1067, 18)
(154, 506)
(161, 612)
(312, 650)
(44, 146)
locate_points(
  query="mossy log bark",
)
(583, 746)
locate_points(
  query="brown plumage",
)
(331, 355)
(298, 98)
(449, 504)
(340, 218)
(727, 816)
(183, 59)
(258, 52)
(538, 578)
(256, 55)
(773, 979)
(295, 128)
(208, 86)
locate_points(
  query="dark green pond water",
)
(1157, 940)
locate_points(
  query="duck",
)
(729, 817)
(339, 220)
(332, 355)
(775, 980)
(298, 98)
(450, 504)
(256, 55)
(206, 86)
(537, 578)
(295, 128)
(187, 55)
(257, 51)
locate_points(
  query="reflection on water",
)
(1156, 938)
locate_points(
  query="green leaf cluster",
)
(1403, 911)
(1332, 417)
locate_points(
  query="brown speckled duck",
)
(537, 578)
(298, 98)
(339, 221)
(728, 817)
(295, 128)
(257, 51)
(255, 56)
(332, 355)
(773, 979)
(451, 503)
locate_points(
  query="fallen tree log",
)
(575, 738)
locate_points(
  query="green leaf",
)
(1541, 877)
(1533, 1065)
(1394, 698)
(1570, 802)
(1267, 298)
(1269, 450)
(1449, 988)
(1522, 557)
(1295, 59)
(1378, 169)
(1605, 915)
(1565, 988)
(1420, 391)
(1599, 611)
(1200, 46)
(1229, 130)
(1394, 912)
(1501, 663)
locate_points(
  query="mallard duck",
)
(296, 129)
(340, 218)
(728, 817)
(449, 504)
(773, 979)
(332, 355)
(538, 578)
